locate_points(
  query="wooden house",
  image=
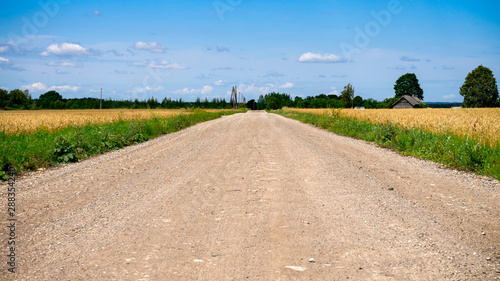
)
(407, 102)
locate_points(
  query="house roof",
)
(414, 101)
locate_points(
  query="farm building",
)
(407, 102)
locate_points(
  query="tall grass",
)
(481, 124)
(28, 121)
(447, 148)
(44, 148)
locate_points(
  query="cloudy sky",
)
(189, 49)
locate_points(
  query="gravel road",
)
(254, 196)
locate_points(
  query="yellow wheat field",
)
(23, 121)
(482, 124)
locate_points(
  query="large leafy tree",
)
(480, 88)
(272, 102)
(261, 103)
(276, 100)
(19, 98)
(408, 85)
(49, 99)
(347, 95)
(4, 98)
(358, 101)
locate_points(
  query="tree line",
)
(278, 100)
(406, 85)
(479, 90)
(21, 99)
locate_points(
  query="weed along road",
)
(255, 196)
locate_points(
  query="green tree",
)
(4, 98)
(20, 99)
(298, 101)
(251, 104)
(50, 97)
(166, 103)
(197, 103)
(371, 103)
(261, 103)
(347, 95)
(58, 104)
(137, 104)
(386, 103)
(335, 103)
(152, 102)
(358, 101)
(408, 85)
(272, 103)
(480, 88)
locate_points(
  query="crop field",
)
(35, 139)
(481, 124)
(27, 121)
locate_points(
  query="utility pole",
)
(100, 101)
(234, 97)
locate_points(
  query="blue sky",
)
(189, 49)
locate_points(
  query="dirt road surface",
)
(254, 196)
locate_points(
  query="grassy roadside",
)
(448, 149)
(43, 149)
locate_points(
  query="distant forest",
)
(18, 99)
(277, 100)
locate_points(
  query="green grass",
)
(451, 150)
(44, 149)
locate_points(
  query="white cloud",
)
(148, 89)
(166, 65)
(320, 58)
(252, 89)
(334, 91)
(65, 49)
(4, 49)
(65, 88)
(287, 85)
(159, 65)
(150, 46)
(449, 96)
(207, 89)
(39, 87)
(185, 91)
(97, 13)
(6, 64)
(36, 86)
(219, 83)
(62, 63)
(61, 72)
(140, 63)
(406, 58)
